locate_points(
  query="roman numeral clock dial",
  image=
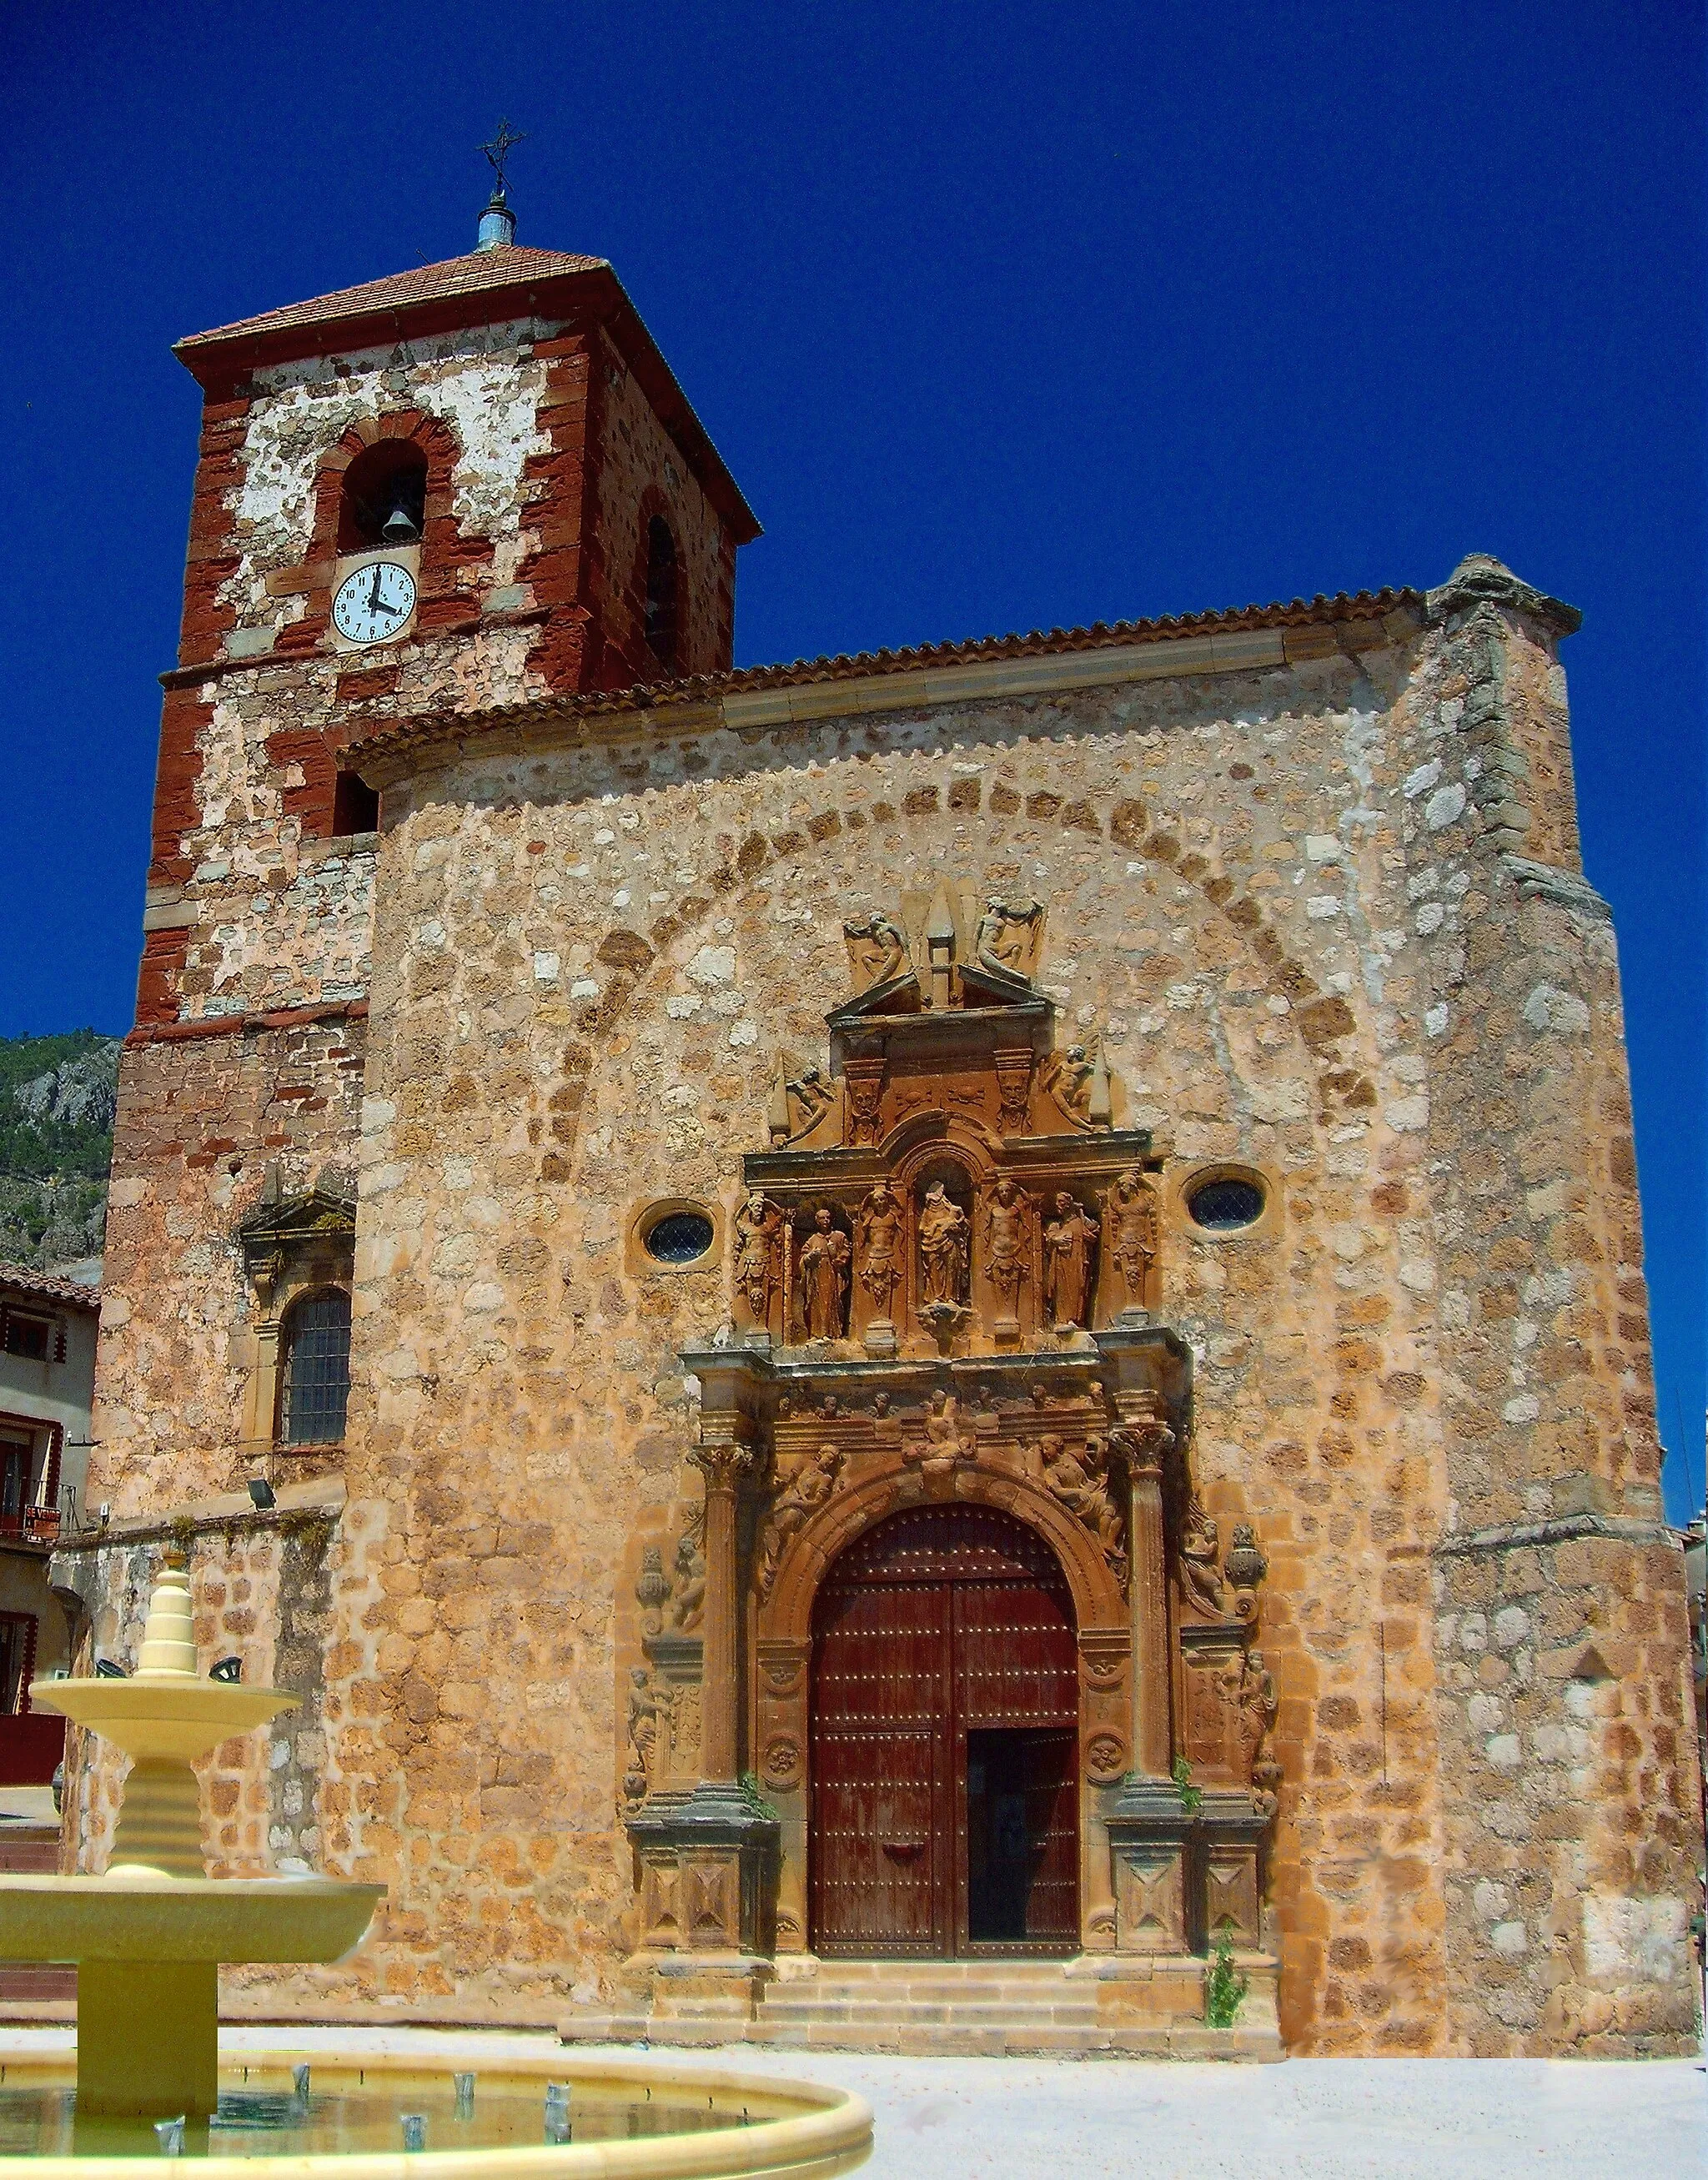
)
(374, 603)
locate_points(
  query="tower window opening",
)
(384, 497)
(315, 1383)
(354, 805)
(661, 592)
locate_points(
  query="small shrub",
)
(1191, 1797)
(1224, 1987)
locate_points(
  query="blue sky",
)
(1003, 316)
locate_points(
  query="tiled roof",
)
(481, 269)
(1364, 608)
(45, 1287)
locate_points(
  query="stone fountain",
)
(148, 1936)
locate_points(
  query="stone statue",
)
(877, 951)
(1130, 1208)
(1007, 938)
(1199, 1545)
(1007, 1253)
(945, 1233)
(813, 1484)
(1068, 1241)
(643, 1734)
(877, 1249)
(759, 1257)
(824, 1268)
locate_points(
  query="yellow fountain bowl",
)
(794, 2130)
(163, 1715)
(137, 1915)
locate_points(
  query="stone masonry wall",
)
(202, 1122)
(1560, 1613)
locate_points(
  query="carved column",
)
(1150, 1828)
(723, 1459)
(1143, 1440)
(707, 1855)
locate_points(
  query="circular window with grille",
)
(1225, 1203)
(679, 1235)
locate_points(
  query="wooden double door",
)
(944, 1742)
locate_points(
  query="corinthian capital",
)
(724, 1459)
(1143, 1442)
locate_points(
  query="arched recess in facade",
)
(783, 1656)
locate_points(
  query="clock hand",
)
(374, 598)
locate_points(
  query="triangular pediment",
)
(318, 1215)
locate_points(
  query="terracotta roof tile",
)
(480, 269)
(46, 1288)
(392, 737)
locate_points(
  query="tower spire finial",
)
(497, 226)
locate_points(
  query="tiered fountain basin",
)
(624, 2120)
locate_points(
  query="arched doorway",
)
(944, 1742)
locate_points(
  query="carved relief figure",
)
(813, 1484)
(1007, 937)
(1007, 1252)
(944, 1442)
(1067, 1262)
(759, 1257)
(643, 1734)
(1066, 1077)
(1199, 1545)
(1079, 1480)
(877, 1248)
(877, 951)
(689, 1602)
(825, 1257)
(810, 1098)
(1131, 1209)
(1251, 1689)
(945, 1232)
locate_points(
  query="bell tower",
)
(471, 485)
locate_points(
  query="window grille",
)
(315, 1384)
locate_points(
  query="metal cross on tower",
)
(504, 142)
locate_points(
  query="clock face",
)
(374, 603)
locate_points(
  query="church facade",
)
(963, 1321)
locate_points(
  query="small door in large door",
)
(881, 1793)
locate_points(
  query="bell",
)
(399, 527)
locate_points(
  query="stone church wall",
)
(1294, 903)
(588, 966)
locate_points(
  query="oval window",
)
(1225, 1205)
(678, 1237)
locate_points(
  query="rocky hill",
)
(57, 1100)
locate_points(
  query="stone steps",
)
(943, 2009)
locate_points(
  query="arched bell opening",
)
(946, 1815)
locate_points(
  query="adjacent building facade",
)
(48, 1328)
(979, 1307)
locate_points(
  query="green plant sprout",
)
(1224, 1987)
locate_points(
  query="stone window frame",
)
(637, 1260)
(292, 1248)
(1263, 1228)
